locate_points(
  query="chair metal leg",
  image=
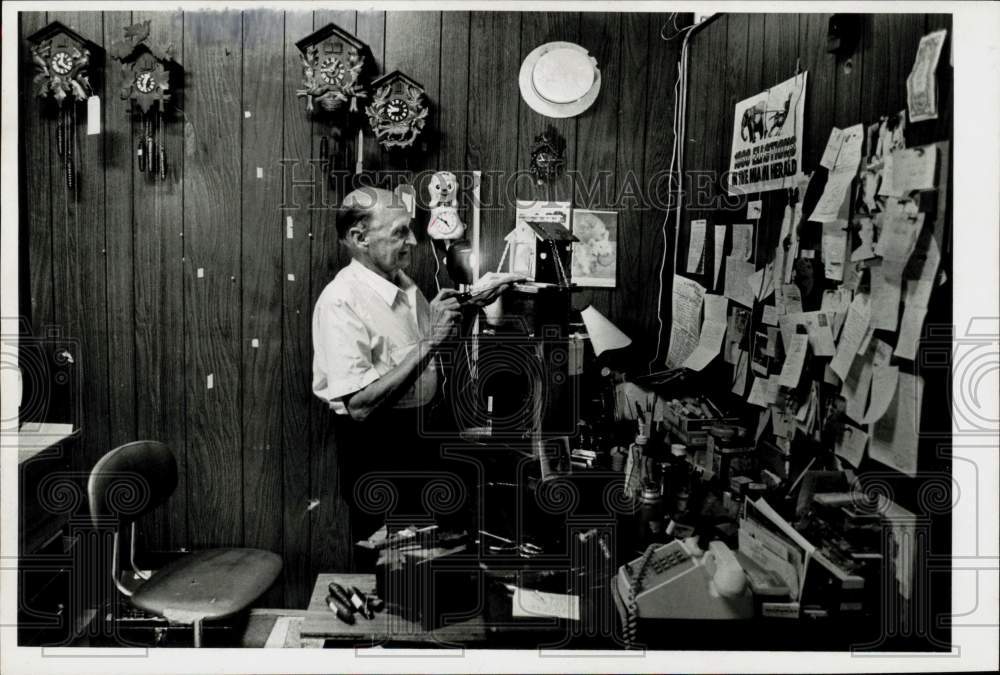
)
(197, 633)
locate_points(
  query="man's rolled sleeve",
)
(342, 353)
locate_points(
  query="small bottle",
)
(679, 479)
(634, 466)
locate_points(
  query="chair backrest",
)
(130, 481)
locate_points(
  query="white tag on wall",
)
(289, 227)
(93, 115)
(753, 209)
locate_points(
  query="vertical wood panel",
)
(538, 28)
(212, 310)
(630, 187)
(79, 258)
(370, 29)
(821, 67)
(655, 291)
(296, 345)
(407, 36)
(596, 170)
(493, 121)
(117, 134)
(451, 115)
(36, 212)
(158, 231)
(263, 86)
(329, 548)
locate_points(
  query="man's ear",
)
(358, 236)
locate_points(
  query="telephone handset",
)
(673, 581)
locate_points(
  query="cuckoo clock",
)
(333, 63)
(145, 81)
(547, 156)
(62, 58)
(398, 111)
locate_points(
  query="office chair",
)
(131, 481)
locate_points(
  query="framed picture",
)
(595, 256)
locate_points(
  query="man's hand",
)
(487, 297)
(445, 315)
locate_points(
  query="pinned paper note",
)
(686, 315)
(770, 316)
(795, 357)
(712, 332)
(289, 227)
(260, 172)
(834, 249)
(855, 329)
(834, 197)
(201, 272)
(851, 445)
(754, 209)
(885, 294)
(856, 387)
(738, 273)
(93, 115)
(914, 169)
(742, 241)
(884, 379)
(696, 246)
(720, 242)
(531, 602)
(210, 381)
(895, 437)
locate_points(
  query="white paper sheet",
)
(696, 246)
(851, 445)
(742, 241)
(886, 294)
(914, 169)
(855, 329)
(896, 436)
(737, 285)
(789, 300)
(820, 333)
(713, 330)
(720, 244)
(686, 316)
(529, 602)
(795, 357)
(834, 195)
(832, 149)
(856, 387)
(884, 379)
(770, 316)
(834, 249)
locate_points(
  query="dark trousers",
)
(394, 471)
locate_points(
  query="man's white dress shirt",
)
(363, 326)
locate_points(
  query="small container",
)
(650, 515)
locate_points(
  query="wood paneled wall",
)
(116, 266)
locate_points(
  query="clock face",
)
(397, 110)
(332, 70)
(145, 82)
(62, 63)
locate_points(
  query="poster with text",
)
(767, 139)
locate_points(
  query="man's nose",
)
(411, 239)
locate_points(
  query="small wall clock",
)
(398, 111)
(333, 64)
(146, 81)
(61, 58)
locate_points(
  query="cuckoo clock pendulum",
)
(145, 73)
(61, 58)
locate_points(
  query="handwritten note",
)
(832, 149)
(896, 435)
(770, 316)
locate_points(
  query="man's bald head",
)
(360, 205)
(376, 229)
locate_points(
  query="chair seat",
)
(208, 584)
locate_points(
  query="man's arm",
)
(388, 388)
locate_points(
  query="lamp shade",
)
(604, 335)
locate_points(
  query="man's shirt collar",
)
(385, 289)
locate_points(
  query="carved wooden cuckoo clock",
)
(145, 72)
(398, 111)
(333, 64)
(62, 58)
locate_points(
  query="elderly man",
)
(376, 339)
